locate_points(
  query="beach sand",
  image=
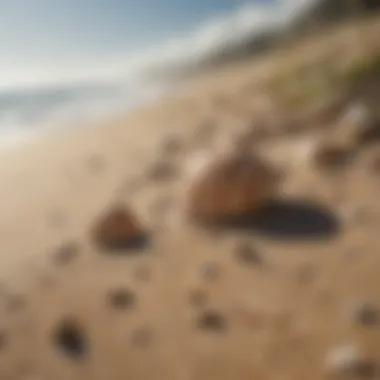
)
(195, 306)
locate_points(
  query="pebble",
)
(247, 254)
(364, 313)
(212, 320)
(118, 229)
(66, 253)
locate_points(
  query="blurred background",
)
(74, 60)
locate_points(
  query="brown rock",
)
(332, 155)
(119, 228)
(229, 185)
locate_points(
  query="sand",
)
(267, 300)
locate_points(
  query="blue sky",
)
(85, 28)
(47, 38)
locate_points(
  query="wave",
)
(25, 114)
(119, 85)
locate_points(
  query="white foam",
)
(31, 113)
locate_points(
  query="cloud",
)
(219, 33)
(206, 39)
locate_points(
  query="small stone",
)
(365, 314)
(331, 156)
(212, 320)
(70, 339)
(121, 299)
(118, 229)
(246, 254)
(162, 171)
(349, 361)
(66, 253)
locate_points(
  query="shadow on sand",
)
(287, 220)
(128, 247)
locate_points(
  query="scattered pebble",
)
(70, 339)
(212, 320)
(121, 299)
(331, 156)
(66, 253)
(119, 229)
(247, 254)
(364, 313)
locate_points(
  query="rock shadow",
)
(287, 220)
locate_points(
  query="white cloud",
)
(217, 33)
(223, 31)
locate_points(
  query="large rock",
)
(229, 185)
(118, 228)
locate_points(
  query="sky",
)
(62, 40)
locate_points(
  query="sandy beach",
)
(198, 308)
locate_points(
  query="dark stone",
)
(246, 254)
(365, 314)
(213, 321)
(121, 299)
(66, 253)
(71, 340)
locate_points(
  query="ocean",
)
(28, 113)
